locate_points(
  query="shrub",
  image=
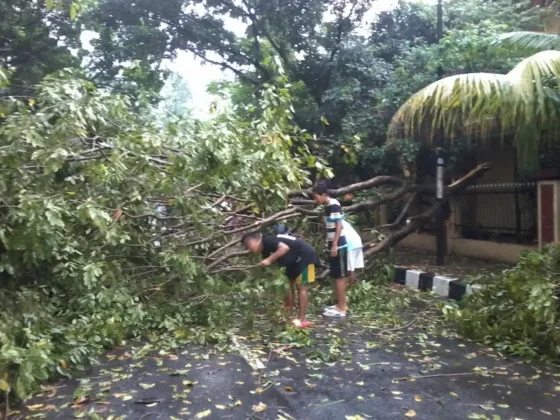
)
(518, 312)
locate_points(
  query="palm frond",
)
(531, 41)
(526, 100)
(529, 79)
(455, 100)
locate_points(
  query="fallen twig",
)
(447, 375)
(399, 328)
(327, 404)
(265, 366)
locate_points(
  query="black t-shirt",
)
(300, 253)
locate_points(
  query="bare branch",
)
(378, 181)
(227, 257)
(470, 177)
(404, 211)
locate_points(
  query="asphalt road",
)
(350, 372)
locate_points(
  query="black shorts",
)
(293, 271)
(339, 265)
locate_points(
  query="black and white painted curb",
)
(440, 285)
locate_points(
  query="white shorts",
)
(355, 259)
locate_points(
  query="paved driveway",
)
(351, 371)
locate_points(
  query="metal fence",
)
(497, 212)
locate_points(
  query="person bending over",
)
(296, 256)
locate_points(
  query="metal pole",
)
(441, 234)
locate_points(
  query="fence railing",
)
(505, 212)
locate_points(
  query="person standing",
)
(336, 240)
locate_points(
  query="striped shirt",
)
(333, 215)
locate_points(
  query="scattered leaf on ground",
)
(203, 414)
(410, 413)
(417, 398)
(259, 408)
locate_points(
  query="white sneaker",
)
(334, 313)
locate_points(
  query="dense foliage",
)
(517, 311)
(109, 194)
(86, 259)
(348, 72)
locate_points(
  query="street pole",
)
(441, 233)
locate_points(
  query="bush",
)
(518, 312)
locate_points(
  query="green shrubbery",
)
(85, 259)
(518, 312)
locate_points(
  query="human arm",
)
(282, 250)
(337, 233)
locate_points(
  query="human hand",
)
(264, 263)
(334, 250)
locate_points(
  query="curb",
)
(446, 287)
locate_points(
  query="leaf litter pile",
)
(392, 358)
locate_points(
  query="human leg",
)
(302, 300)
(338, 271)
(306, 277)
(289, 298)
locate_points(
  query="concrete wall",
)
(492, 251)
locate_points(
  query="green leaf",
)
(4, 385)
(74, 8)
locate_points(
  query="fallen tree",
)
(405, 224)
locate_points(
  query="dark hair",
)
(250, 236)
(320, 188)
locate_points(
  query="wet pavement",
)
(350, 371)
